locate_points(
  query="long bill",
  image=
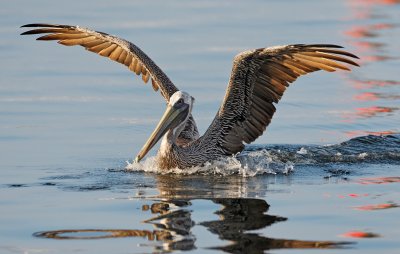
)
(172, 117)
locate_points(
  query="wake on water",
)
(283, 159)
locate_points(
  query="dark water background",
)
(322, 177)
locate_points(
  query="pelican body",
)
(258, 80)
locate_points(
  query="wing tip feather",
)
(318, 45)
(45, 25)
(327, 47)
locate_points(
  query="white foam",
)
(302, 151)
(362, 155)
(248, 165)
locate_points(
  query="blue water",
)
(71, 122)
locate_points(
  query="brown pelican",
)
(258, 80)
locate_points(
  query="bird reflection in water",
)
(241, 215)
(173, 222)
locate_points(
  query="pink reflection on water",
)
(376, 207)
(367, 96)
(380, 180)
(359, 234)
(366, 112)
(374, 111)
(375, 58)
(374, 2)
(362, 9)
(368, 49)
(365, 84)
(364, 36)
(366, 46)
(366, 31)
(354, 195)
(356, 133)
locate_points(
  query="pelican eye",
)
(179, 102)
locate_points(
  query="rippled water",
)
(325, 175)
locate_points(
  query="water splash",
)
(224, 166)
(283, 159)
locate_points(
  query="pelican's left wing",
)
(258, 80)
(115, 48)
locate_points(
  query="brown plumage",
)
(258, 80)
(106, 45)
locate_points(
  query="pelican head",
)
(175, 116)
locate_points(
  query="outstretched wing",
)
(258, 80)
(116, 49)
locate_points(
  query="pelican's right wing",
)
(258, 80)
(116, 49)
